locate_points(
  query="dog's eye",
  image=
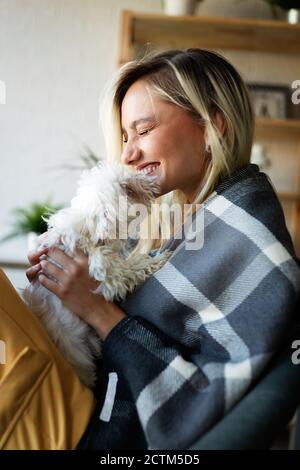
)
(130, 192)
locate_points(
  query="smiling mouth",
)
(149, 169)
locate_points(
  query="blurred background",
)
(57, 55)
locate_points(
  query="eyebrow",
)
(139, 121)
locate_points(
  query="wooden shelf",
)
(211, 32)
(277, 129)
(290, 197)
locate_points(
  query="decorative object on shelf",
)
(259, 156)
(180, 7)
(292, 8)
(31, 221)
(270, 101)
(293, 16)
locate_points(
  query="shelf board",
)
(277, 129)
(209, 32)
(291, 197)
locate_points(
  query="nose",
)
(131, 154)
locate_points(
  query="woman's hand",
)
(69, 280)
(34, 260)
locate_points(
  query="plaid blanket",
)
(201, 329)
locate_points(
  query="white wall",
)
(55, 57)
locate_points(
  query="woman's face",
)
(162, 139)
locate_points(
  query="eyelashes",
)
(145, 132)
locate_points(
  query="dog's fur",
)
(89, 224)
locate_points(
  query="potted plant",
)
(292, 7)
(180, 7)
(31, 221)
(88, 158)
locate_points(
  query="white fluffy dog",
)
(96, 223)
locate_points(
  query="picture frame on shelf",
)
(270, 101)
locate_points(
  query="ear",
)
(220, 123)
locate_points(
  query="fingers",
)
(55, 279)
(34, 257)
(32, 272)
(51, 285)
(63, 260)
(54, 272)
(56, 265)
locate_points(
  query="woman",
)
(183, 348)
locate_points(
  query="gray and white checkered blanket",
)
(204, 327)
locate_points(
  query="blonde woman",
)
(183, 348)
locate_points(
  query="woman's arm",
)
(137, 351)
(181, 388)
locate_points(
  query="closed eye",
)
(140, 133)
(144, 132)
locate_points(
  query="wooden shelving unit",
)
(289, 196)
(138, 29)
(141, 32)
(283, 129)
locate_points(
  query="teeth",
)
(148, 169)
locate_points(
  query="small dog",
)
(97, 224)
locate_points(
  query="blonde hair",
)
(203, 83)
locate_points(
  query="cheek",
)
(182, 140)
(162, 145)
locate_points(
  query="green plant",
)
(32, 219)
(88, 158)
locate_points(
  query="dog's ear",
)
(140, 188)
